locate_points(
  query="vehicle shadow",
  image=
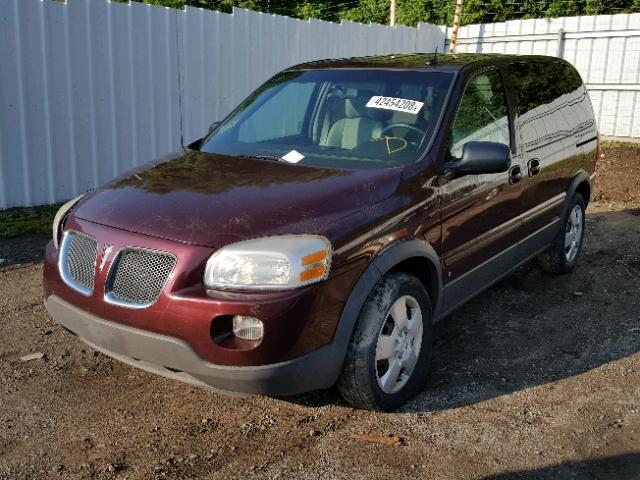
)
(534, 328)
(22, 249)
(609, 468)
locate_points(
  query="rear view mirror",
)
(212, 127)
(198, 143)
(481, 157)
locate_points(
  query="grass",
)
(28, 220)
(613, 145)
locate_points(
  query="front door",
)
(480, 213)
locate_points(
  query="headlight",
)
(272, 263)
(57, 220)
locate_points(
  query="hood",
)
(213, 200)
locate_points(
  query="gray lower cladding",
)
(174, 358)
(475, 281)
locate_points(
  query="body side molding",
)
(477, 280)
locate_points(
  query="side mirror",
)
(481, 157)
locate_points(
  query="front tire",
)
(388, 356)
(562, 255)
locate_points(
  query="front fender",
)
(382, 264)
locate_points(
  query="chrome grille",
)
(79, 253)
(138, 276)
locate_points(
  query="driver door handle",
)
(515, 175)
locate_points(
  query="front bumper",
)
(174, 358)
(297, 322)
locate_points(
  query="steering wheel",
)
(403, 125)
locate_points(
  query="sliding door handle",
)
(534, 167)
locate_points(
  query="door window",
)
(482, 113)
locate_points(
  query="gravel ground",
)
(537, 378)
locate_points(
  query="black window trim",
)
(470, 75)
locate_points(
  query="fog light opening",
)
(247, 328)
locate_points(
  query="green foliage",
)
(368, 11)
(486, 11)
(436, 12)
(559, 8)
(613, 145)
(411, 12)
(323, 10)
(30, 220)
(167, 3)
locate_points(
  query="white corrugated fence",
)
(90, 88)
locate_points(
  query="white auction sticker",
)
(293, 156)
(398, 104)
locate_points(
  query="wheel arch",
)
(416, 257)
(424, 269)
(581, 183)
(408, 256)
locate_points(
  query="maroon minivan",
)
(315, 235)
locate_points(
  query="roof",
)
(449, 62)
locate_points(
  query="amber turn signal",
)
(314, 258)
(314, 266)
(312, 273)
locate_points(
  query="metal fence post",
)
(560, 43)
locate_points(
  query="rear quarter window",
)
(552, 102)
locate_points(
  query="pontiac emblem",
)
(106, 251)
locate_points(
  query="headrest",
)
(356, 106)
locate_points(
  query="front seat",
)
(359, 125)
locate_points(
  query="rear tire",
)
(562, 255)
(388, 356)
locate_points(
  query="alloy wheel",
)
(573, 233)
(398, 346)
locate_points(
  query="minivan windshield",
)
(336, 118)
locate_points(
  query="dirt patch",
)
(539, 377)
(617, 183)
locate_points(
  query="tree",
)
(411, 12)
(321, 10)
(221, 5)
(560, 8)
(368, 11)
